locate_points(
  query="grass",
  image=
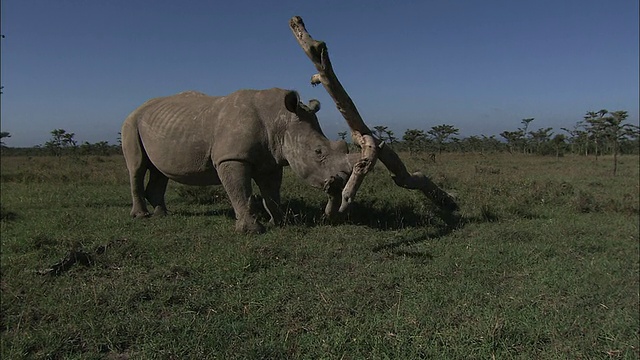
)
(545, 266)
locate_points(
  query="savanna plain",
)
(543, 265)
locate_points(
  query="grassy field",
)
(544, 266)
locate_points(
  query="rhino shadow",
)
(366, 213)
(302, 212)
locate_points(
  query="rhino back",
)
(184, 135)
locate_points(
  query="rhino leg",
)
(269, 185)
(236, 180)
(156, 188)
(136, 178)
(137, 164)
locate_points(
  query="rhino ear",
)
(314, 105)
(292, 101)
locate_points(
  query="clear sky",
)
(481, 66)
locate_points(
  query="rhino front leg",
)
(236, 180)
(269, 185)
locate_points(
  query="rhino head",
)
(322, 163)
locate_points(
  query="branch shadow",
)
(396, 247)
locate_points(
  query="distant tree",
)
(615, 132)
(558, 141)
(525, 123)
(384, 133)
(414, 139)
(102, 148)
(490, 142)
(342, 135)
(390, 138)
(86, 148)
(471, 143)
(4, 134)
(578, 139)
(442, 133)
(69, 141)
(514, 139)
(60, 139)
(540, 137)
(379, 131)
(594, 125)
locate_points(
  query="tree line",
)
(598, 133)
(62, 143)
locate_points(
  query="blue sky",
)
(481, 66)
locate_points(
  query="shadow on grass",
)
(6, 215)
(367, 213)
(218, 212)
(396, 247)
(302, 212)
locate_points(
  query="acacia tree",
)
(540, 137)
(379, 131)
(594, 125)
(472, 143)
(491, 142)
(385, 134)
(442, 133)
(60, 139)
(526, 123)
(558, 141)
(390, 138)
(615, 131)
(578, 138)
(342, 135)
(514, 138)
(414, 139)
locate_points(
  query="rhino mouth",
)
(334, 186)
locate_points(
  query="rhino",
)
(196, 139)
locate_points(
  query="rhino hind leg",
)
(137, 164)
(136, 178)
(155, 190)
(269, 185)
(236, 180)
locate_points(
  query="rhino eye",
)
(318, 151)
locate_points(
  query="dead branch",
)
(319, 55)
(372, 148)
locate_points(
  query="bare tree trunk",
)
(372, 148)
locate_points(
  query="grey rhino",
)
(196, 139)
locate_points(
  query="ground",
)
(545, 265)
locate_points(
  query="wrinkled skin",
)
(197, 139)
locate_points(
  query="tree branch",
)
(372, 148)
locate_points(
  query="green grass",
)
(545, 266)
